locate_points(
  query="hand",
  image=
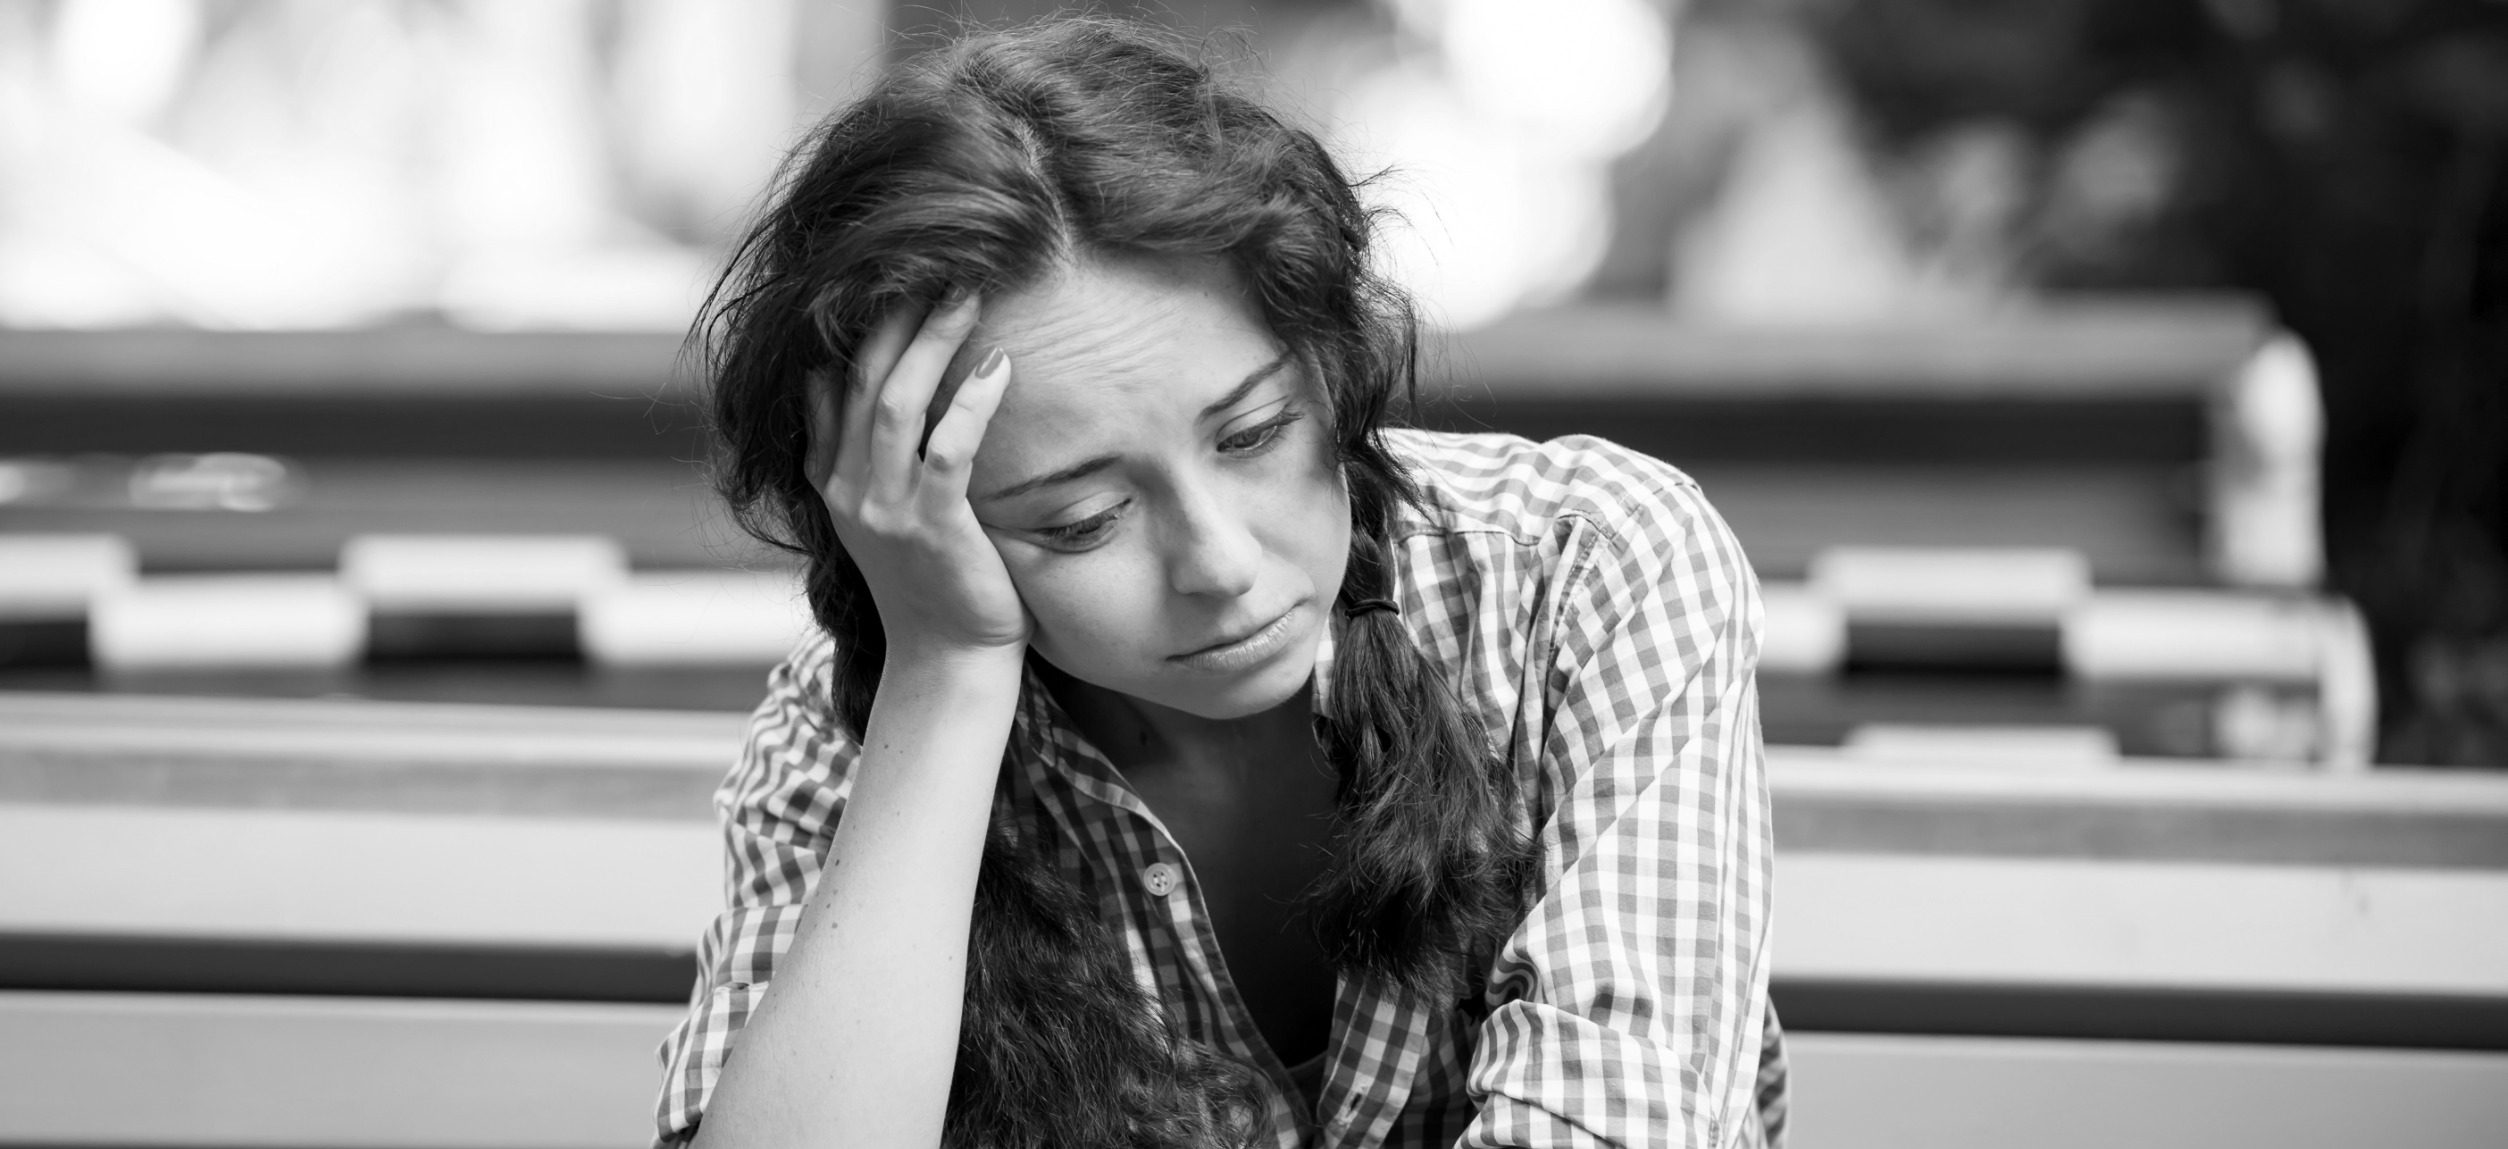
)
(902, 513)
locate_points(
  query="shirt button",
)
(1160, 878)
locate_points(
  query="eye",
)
(1259, 438)
(1083, 534)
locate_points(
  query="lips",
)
(1238, 636)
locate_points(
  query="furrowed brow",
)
(1087, 467)
(1238, 394)
(1080, 470)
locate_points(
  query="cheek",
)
(1321, 538)
(1090, 611)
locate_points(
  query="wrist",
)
(937, 664)
(941, 714)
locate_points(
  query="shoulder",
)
(1507, 484)
(806, 676)
(1587, 543)
(796, 758)
(798, 692)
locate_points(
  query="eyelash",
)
(1083, 532)
(1268, 432)
(1088, 530)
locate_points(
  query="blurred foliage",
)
(2342, 158)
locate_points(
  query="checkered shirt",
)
(1601, 621)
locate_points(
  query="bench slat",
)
(169, 1069)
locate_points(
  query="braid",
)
(1428, 860)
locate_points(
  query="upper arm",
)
(1632, 996)
(778, 808)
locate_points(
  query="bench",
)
(309, 923)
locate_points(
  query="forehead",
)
(1105, 351)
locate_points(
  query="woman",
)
(1215, 765)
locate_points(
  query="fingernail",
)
(993, 362)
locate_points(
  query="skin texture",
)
(1203, 525)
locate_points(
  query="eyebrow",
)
(1090, 466)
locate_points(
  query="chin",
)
(1244, 700)
(1257, 691)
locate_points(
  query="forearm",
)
(855, 1042)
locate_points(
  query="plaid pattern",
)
(1601, 619)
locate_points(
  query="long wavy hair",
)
(986, 163)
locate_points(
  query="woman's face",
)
(1160, 482)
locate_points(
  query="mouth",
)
(1245, 647)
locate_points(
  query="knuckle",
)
(895, 414)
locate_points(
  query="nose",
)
(1213, 550)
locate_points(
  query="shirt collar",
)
(1048, 743)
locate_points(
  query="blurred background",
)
(2113, 397)
(2325, 170)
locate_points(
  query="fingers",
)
(872, 366)
(905, 395)
(949, 456)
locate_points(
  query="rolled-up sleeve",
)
(1632, 1001)
(778, 809)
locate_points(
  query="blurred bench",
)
(323, 923)
(2153, 955)
(2163, 445)
(309, 924)
(2172, 439)
(1953, 649)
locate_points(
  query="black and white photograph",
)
(1253, 574)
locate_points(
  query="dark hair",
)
(984, 164)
